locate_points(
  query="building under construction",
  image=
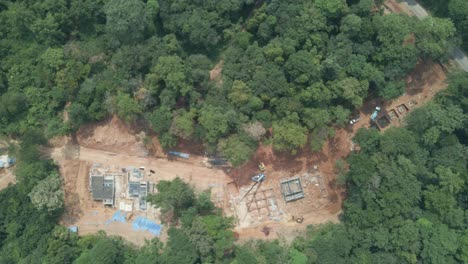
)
(126, 189)
(292, 189)
(102, 186)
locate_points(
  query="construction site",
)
(279, 197)
(108, 170)
(273, 191)
(107, 189)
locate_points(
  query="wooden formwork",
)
(259, 200)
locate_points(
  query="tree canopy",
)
(230, 75)
(150, 61)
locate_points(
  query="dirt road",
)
(91, 216)
(195, 173)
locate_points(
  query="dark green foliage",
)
(104, 251)
(24, 228)
(127, 108)
(456, 10)
(288, 135)
(179, 248)
(151, 59)
(204, 235)
(173, 196)
(237, 148)
(288, 72)
(149, 253)
(406, 192)
(125, 20)
(434, 121)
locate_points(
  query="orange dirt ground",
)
(114, 144)
(75, 160)
(423, 83)
(112, 135)
(215, 73)
(396, 7)
(6, 177)
(316, 207)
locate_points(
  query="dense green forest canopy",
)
(456, 10)
(407, 203)
(298, 67)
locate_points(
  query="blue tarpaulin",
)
(119, 216)
(73, 229)
(179, 154)
(142, 223)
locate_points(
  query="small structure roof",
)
(135, 175)
(102, 188)
(134, 188)
(143, 193)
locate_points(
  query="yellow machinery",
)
(261, 167)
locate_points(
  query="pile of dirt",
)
(6, 177)
(426, 79)
(59, 141)
(215, 73)
(112, 135)
(156, 148)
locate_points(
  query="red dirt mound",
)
(111, 135)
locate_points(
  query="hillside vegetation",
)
(456, 10)
(298, 67)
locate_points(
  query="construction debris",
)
(6, 161)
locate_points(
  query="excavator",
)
(261, 167)
(260, 177)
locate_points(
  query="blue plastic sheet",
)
(179, 154)
(142, 223)
(119, 216)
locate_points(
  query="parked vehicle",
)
(354, 121)
(375, 113)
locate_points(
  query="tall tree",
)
(173, 196)
(47, 194)
(289, 135)
(125, 20)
